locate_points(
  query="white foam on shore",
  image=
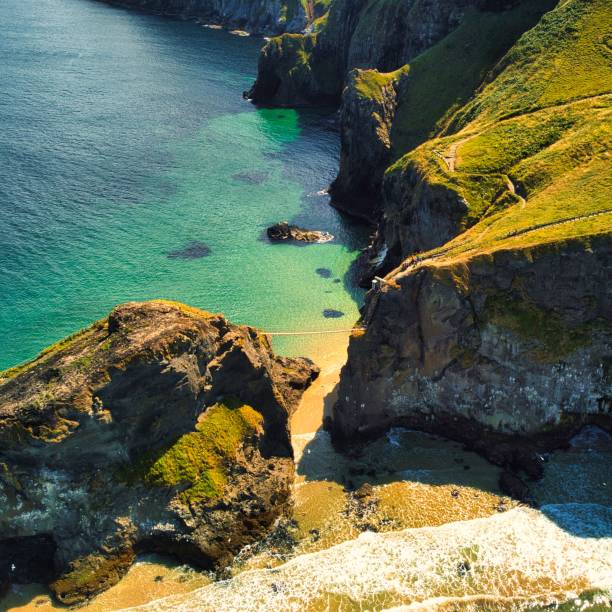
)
(520, 554)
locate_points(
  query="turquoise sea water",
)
(124, 141)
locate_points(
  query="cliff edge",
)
(475, 136)
(494, 322)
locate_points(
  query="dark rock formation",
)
(324, 272)
(513, 486)
(258, 16)
(330, 313)
(161, 428)
(508, 352)
(305, 69)
(493, 325)
(282, 232)
(367, 112)
(419, 214)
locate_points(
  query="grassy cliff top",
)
(369, 84)
(445, 76)
(529, 153)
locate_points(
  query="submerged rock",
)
(282, 231)
(160, 428)
(250, 178)
(324, 272)
(193, 250)
(330, 313)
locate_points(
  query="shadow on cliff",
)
(574, 492)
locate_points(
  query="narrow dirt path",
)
(450, 156)
(512, 190)
(309, 8)
(415, 260)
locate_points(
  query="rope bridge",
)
(310, 333)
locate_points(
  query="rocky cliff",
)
(387, 114)
(160, 428)
(367, 114)
(494, 323)
(258, 16)
(312, 68)
(514, 343)
(474, 136)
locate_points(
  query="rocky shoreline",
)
(264, 17)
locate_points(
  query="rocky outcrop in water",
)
(258, 16)
(160, 428)
(283, 232)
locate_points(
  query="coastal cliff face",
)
(474, 135)
(366, 118)
(258, 16)
(160, 428)
(495, 320)
(312, 68)
(515, 342)
(416, 99)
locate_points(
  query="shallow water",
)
(127, 152)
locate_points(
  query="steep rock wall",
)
(493, 323)
(366, 119)
(357, 34)
(512, 344)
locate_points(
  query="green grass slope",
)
(529, 153)
(445, 77)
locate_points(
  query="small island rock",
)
(282, 231)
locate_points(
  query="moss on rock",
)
(197, 461)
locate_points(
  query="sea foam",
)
(520, 555)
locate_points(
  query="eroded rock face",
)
(366, 122)
(496, 351)
(161, 428)
(307, 69)
(418, 214)
(258, 16)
